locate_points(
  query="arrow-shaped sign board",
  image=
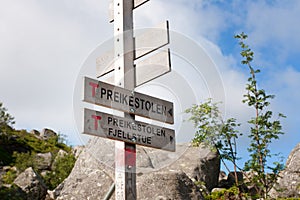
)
(152, 39)
(128, 130)
(145, 43)
(111, 96)
(152, 67)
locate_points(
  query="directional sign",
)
(128, 130)
(136, 3)
(105, 63)
(152, 67)
(152, 40)
(111, 96)
(145, 43)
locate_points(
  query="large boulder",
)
(44, 161)
(288, 185)
(47, 133)
(31, 184)
(93, 173)
(167, 185)
(90, 178)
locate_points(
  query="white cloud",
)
(274, 26)
(192, 18)
(42, 47)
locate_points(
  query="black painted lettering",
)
(137, 102)
(134, 127)
(120, 133)
(110, 131)
(159, 109)
(116, 96)
(109, 120)
(131, 101)
(115, 133)
(163, 132)
(152, 107)
(148, 129)
(148, 105)
(164, 110)
(142, 101)
(121, 123)
(149, 140)
(127, 125)
(115, 123)
(109, 95)
(123, 99)
(144, 139)
(103, 92)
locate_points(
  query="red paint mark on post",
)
(96, 118)
(130, 154)
(94, 85)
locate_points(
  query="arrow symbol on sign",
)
(171, 112)
(171, 139)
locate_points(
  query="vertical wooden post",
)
(125, 153)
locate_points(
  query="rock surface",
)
(31, 184)
(167, 185)
(47, 133)
(93, 173)
(44, 160)
(288, 185)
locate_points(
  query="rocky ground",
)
(188, 173)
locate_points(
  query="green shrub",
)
(224, 194)
(9, 177)
(62, 167)
(24, 160)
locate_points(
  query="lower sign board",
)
(128, 130)
(111, 96)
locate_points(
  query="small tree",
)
(214, 132)
(263, 129)
(5, 118)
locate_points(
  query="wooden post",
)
(125, 153)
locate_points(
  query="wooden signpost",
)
(129, 72)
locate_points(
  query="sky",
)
(44, 46)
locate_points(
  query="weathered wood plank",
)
(128, 130)
(153, 67)
(111, 96)
(152, 39)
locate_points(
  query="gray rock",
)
(35, 133)
(90, 177)
(199, 163)
(288, 185)
(47, 133)
(31, 184)
(167, 185)
(77, 150)
(44, 161)
(93, 173)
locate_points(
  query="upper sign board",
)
(136, 4)
(152, 39)
(121, 99)
(145, 43)
(152, 67)
(128, 130)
